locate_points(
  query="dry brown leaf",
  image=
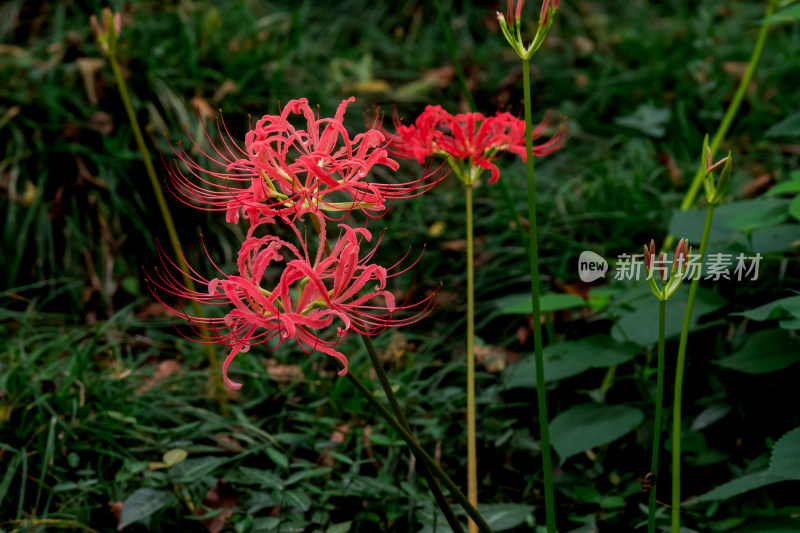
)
(88, 68)
(163, 370)
(218, 497)
(283, 373)
(757, 185)
(101, 122)
(115, 508)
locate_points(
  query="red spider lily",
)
(284, 171)
(471, 135)
(312, 292)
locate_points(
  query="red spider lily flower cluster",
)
(286, 171)
(281, 291)
(472, 136)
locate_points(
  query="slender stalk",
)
(422, 455)
(462, 80)
(651, 513)
(165, 214)
(472, 452)
(676, 409)
(730, 114)
(316, 220)
(541, 387)
(449, 515)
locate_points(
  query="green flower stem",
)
(421, 454)
(541, 387)
(165, 214)
(730, 114)
(651, 513)
(455, 525)
(472, 453)
(451, 48)
(676, 409)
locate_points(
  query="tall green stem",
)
(421, 454)
(730, 114)
(541, 387)
(472, 453)
(165, 214)
(651, 514)
(449, 515)
(676, 409)
(451, 48)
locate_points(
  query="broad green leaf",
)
(790, 304)
(520, 304)
(738, 486)
(785, 460)
(790, 14)
(193, 469)
(505, 516)
(794, 207)
(767, 216)
(791, 186)
(142, 504)
(640, 323)
(567, 359)
(775, 239)
(765, 351)
(790, 126)
(344, 527)
(590, 425)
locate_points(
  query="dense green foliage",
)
(102, 401)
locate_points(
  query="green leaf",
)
(520, 304)
(777, 309)
(785, 460)
(790, 14)
(775, 239)
(590, 425)
(790, 126)
(567, 359)
(193, 469)
(505, 516)
(264, 478)
(278, 458)
(768, 216)
(648, 119)
(142, 504)
(764, 351)
(784, 187)
(738, 486)
(344, 527)
(639, 322)
(298, 498)
(794, 207)
(307, 474)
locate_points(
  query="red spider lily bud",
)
(518, 13)
(649, 255)
(106, 37)
(681, 255)
(509, 12)
(543, 17)
(663, 262)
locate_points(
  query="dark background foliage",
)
(102, 402)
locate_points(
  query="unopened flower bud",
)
(663, 262)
